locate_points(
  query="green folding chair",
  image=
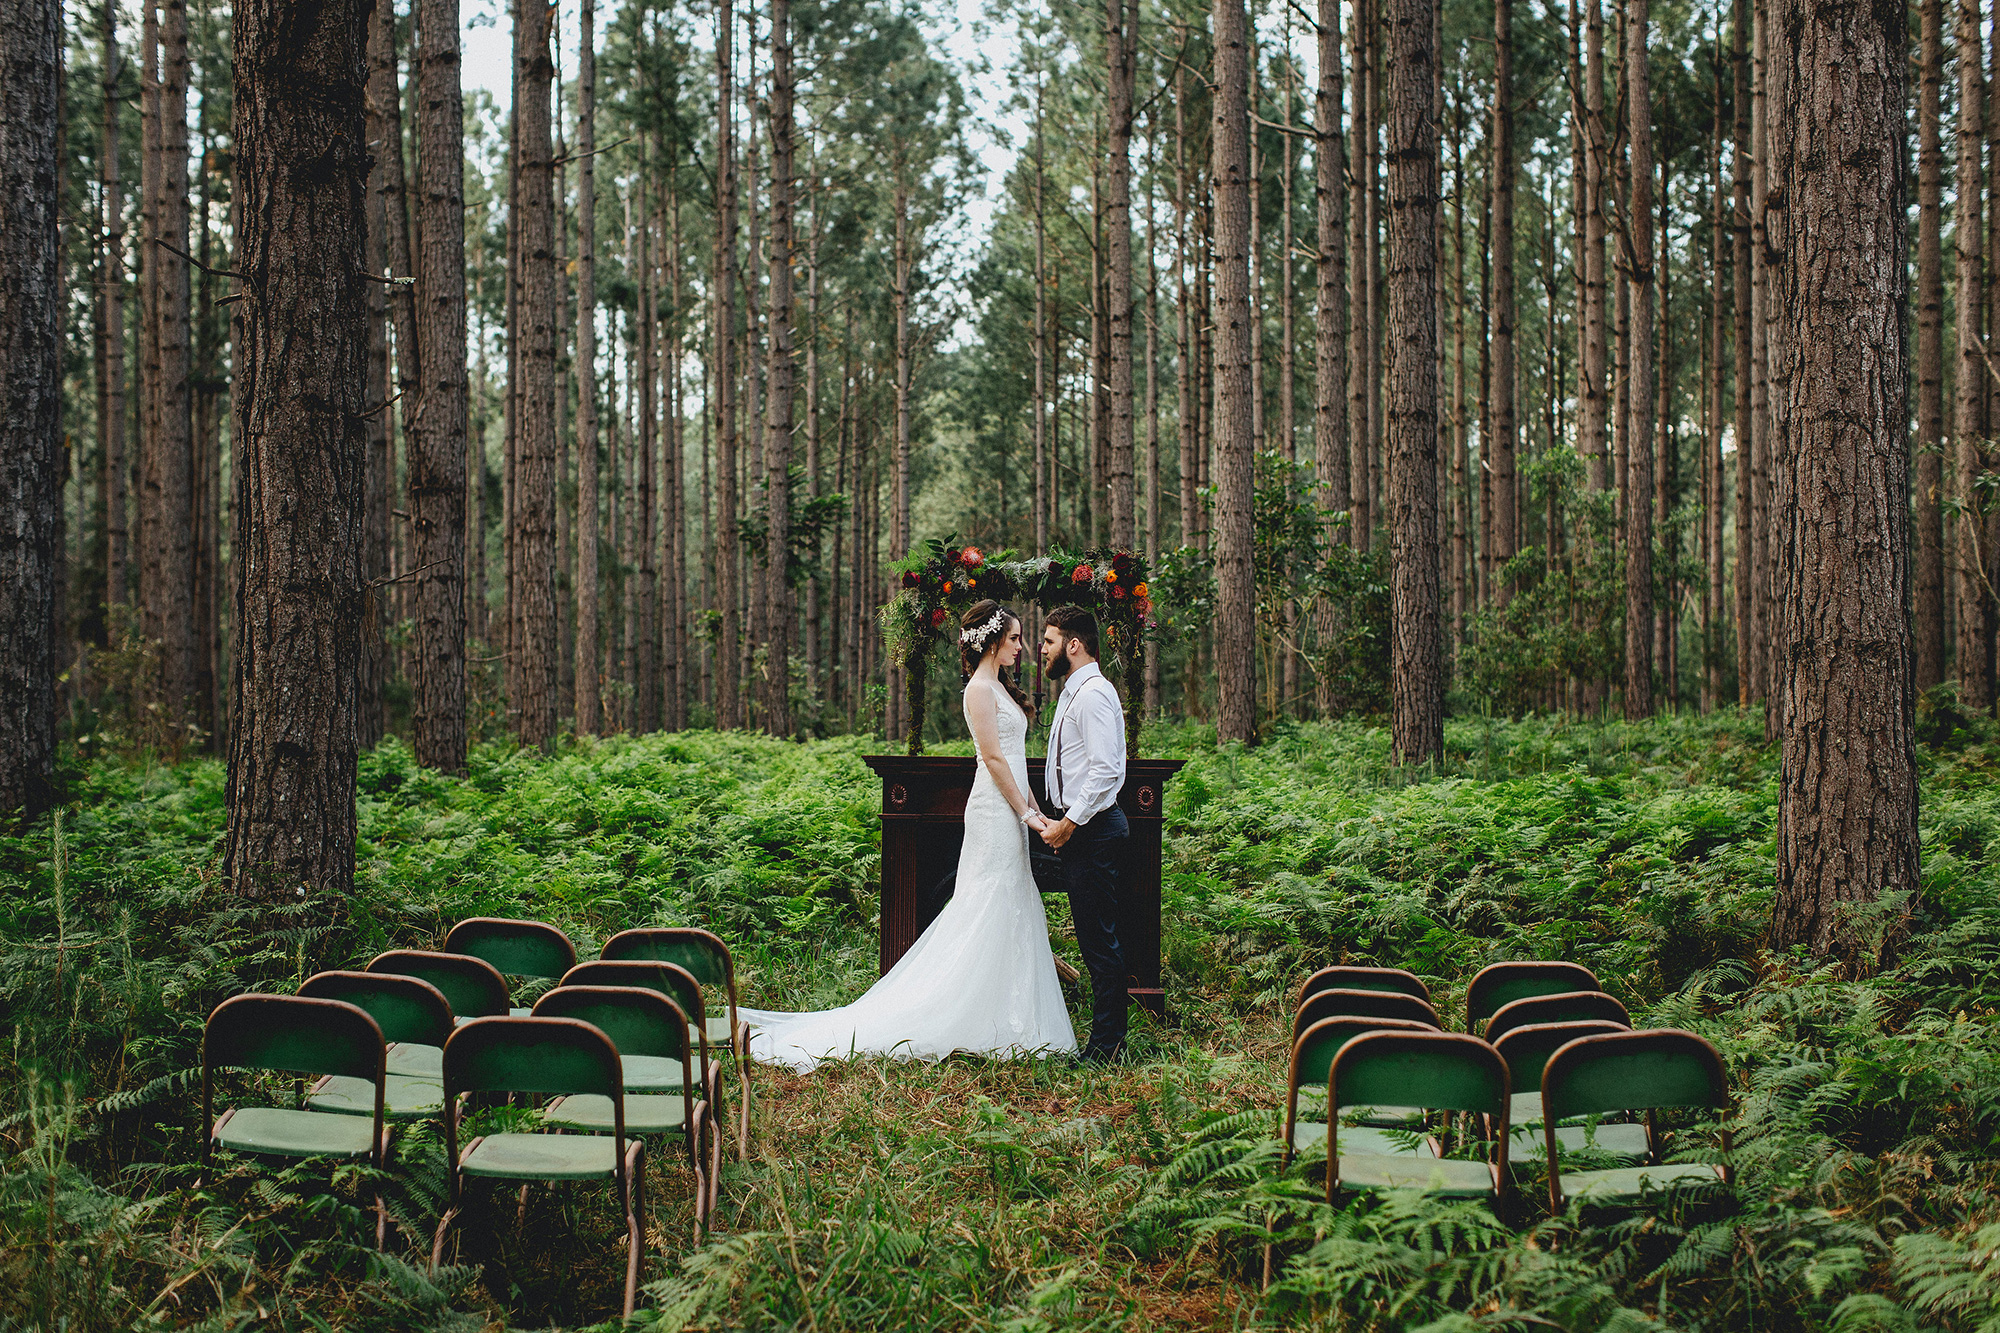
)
(547, 1057)
(297, 1035)
(471, 985)
(1577, 1006)
(1439, 1071)
(678, 985)
(1364, 978)
(1313, 1050)
(654, 1050)
(514, 948)
(1363, 1004)
(1632, 1071)
(1503, 983)
(1526, 1051)
(709, 961)
(416, 1020)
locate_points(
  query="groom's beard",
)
(1058, 668)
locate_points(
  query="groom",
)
(1086, 769)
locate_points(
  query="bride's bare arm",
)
(982, 710)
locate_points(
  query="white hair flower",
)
(979, 634)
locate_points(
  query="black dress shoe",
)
(1100, 1056)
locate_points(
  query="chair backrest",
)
(1526, 1049)
(704, 955)
(1363, 978)
(545, 1056)
(405, 1008)
(1364, 1004)
(669, 979)
(1314, 1048)
(1633, 1071)
(639, 1021)
(471, 985)
(515, 948)
(295, 1033)
(1438, 1071)
(1503, 983)
(1576, 1006)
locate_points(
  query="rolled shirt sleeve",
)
(1101, 722)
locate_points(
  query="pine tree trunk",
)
(167, 584)
(1847, 810)
(1236, 593)
(589, 714)
(1927, 615)
(1712, 490)
(1360, 334)
(111, 426)
(1639, 431)
(723, 280)
(32, 461)
(1506, 431)
(441, 452)
(300, 357)
(642, 618)
(1975, 611)
(1122, 41)
(778, 399)
(1330, 338)
(383, 90)
(1041, 422)
(1416, 654)
(1740, 266)
(1761, 610)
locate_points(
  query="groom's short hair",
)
(1073, 622)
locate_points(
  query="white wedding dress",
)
(980, 979)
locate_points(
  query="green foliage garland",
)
(941, 579)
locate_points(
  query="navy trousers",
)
(1088, 869)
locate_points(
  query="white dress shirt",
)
(1086, 765)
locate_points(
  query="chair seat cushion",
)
(417, 1060)
(1631, 1182)
(403, 1097)
(286, 1133)
(1622, 1143)
(542, 1157)
(1364, 1141)
(1406, 1171)
(653, 1073)
(654, 1113)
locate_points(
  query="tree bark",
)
(1236, 592)
(589, 715)
(1927, 618)
(117, 530)
(728, 689)
(1330, 445)
(531, 685)
(1975, 612)
(1741, 264)
(1416, 658)
(1501, 447)
(1847, 810)
(438, 441)
(778, 389)
(1361, 333)
(1639, 431)
(32, 461)
(1594, 391)
(167, 574)
(301, 347)
(384, 90)
(1121, 47)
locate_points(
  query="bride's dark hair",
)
(971, 652)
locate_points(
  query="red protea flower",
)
(937, 618)
(1082, 574)
(1117, 593)
(971, 557)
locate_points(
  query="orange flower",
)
(1141, 591)
(947, 587)
(1112, 577)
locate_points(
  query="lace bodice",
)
(1010, 720)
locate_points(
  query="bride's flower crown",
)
(979, 634)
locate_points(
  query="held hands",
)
(1036, 821)
(1058, 833)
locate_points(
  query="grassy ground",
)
(1026, 1196)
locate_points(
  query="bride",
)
(981, 978)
